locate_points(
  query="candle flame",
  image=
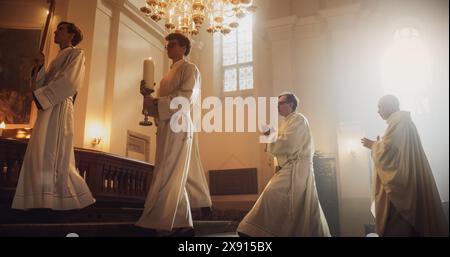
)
(21, 134)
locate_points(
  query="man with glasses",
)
(179, 181)
(289, 205)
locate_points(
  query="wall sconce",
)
(352, 148)
(95, 134)
(21, 134)
(24, 133)
(96, 141)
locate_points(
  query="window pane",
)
(230, 80)
(229, 50)
(246, 77)
(245, 39)
(237, 56)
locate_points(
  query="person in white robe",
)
(48, 176)
(289, 205)
(179, 182)
(406, 198)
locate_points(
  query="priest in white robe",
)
(179, 182)
(48, 176)
(289, 205)
(407, 201)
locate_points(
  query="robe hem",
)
(53, 202)
(253, 230)
(151, 225)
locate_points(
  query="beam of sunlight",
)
(407, 71)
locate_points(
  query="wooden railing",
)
(113, 180)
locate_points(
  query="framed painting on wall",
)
(17, 49)
(23, 33)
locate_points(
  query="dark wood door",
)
(326, 183)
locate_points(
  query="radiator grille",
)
(233, 181)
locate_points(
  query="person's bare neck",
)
(64, 45)
(176, 59)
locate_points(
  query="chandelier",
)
(188, 16)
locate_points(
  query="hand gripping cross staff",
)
(148, 80)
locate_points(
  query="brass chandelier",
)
(188, 16)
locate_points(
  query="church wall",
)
(332, 62)
(99, 79)
(83, 13)
(117, 40)
(134, 45)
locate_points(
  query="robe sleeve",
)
(40, 77)
(384, 152)
(189, 79)
(38, 82)
(289, 140)
(65, 84)
(387, 160)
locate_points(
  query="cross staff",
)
(47, 24)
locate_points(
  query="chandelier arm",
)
(188, 16)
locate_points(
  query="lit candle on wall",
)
(95, 133)
(21, 134)
(149, 72)
(2, 126)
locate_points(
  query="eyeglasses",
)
(280, 103)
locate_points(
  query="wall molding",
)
(134, 13)
(280, 29)
(339, 11)
(294, 27)
(130, 16)
(340, 18)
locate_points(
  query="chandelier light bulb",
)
(245, 2)
(152, 2)
(146, 10)
(188, 16)
(234, 25)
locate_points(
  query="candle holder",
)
(145, 122)
(146, 92)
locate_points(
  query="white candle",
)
(149, 72)
(2, 126)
